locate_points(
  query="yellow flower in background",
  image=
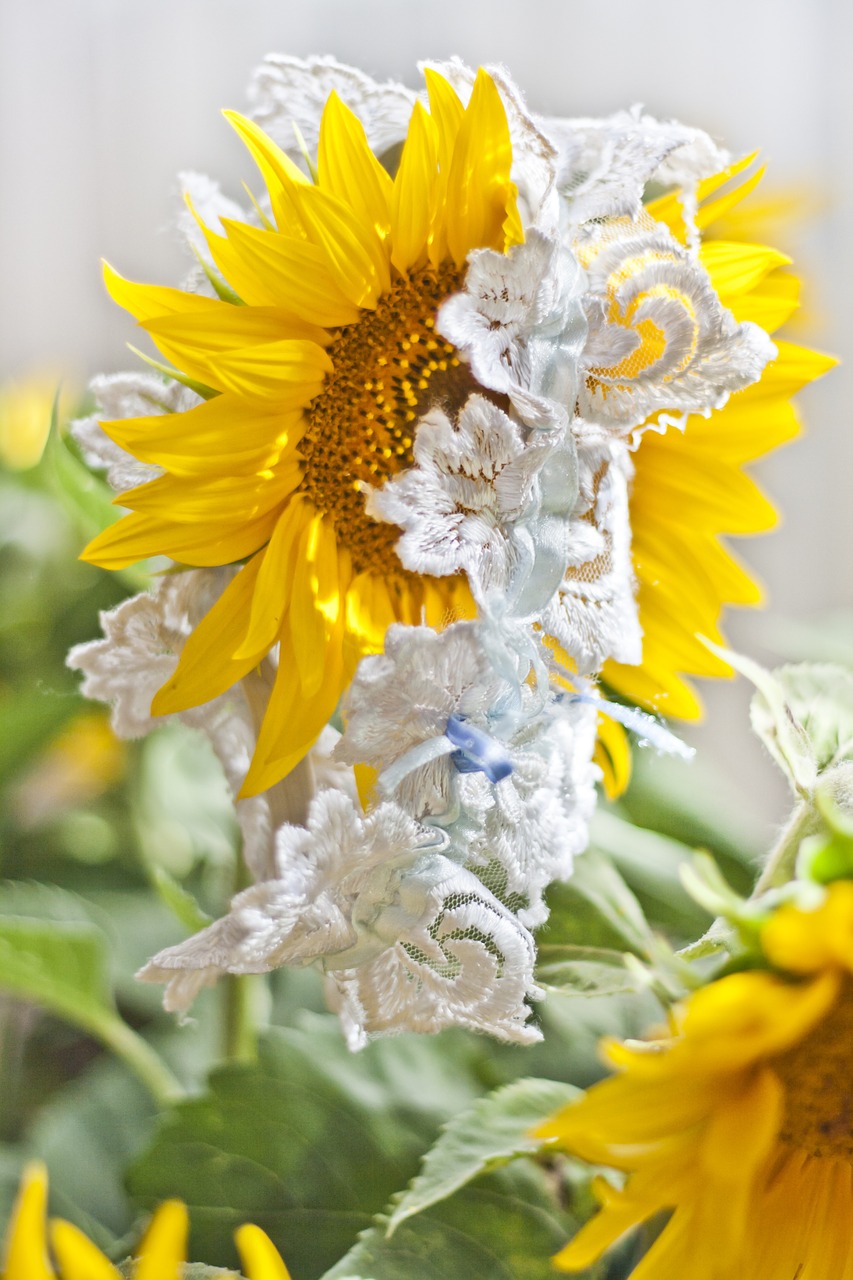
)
(741, 1124)
(161, 1254)
(690, 488)
(320, 376)
(26, 410)
(82, 761)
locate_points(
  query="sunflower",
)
(161, 1253)
(689, 487)
(741, 1123)
(314, 365)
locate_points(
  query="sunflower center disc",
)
(390, 368)
(819, 1085)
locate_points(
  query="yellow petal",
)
(293, 722)
(358, 259)
(714, 496)
(668, 209)
(348, 169)
(215, 500)
(216, 542)
(224, 435)
(711, 210)
(656, 686)
(279, 172)
(413, 196)
(274, 590)
(269, 268)
(793, 369)
(291, 372)
(145, 301)
(78, 1258)
(771, 304)
(201, 338)
(737, 268)
(745, 429)
(480, 194)
(207, 666)
(317, 599)
(164, 1247)
(261, 1259)
(447, 112)
(613, 756)
(746, 1127)
(26, 1244)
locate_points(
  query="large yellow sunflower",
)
(689, 486)
(316, 362)
(161, 1253)
(741, 1123)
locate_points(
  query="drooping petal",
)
(261, 1259)
(78, 1258)
(26, 1244)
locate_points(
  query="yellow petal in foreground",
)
(77, 1257)
(164, 1246)
(26, 1240)
(261, 1259)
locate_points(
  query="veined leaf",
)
(506, 1226)
(309, 1142)
(495, 1129)
(596, 908)
(586, 971)
(61, 963)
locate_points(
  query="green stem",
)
(240, 1035)
(145, 1063)
(239, 1031)
(780, 866)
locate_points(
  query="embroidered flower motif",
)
(348, 891)
(400, 703)
(659, 338)
(520, 324)
(594, 615)
(460, 505)
(515, 805)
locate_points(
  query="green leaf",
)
(61, 963)
(820, 697)
(495, 1130)
(596, 908)
(652, 864)
(775, 721)
(586, 971)
(506, 1226)
(87, 1134)
(87, 497)
(179, 900)
(60, 966)
(309, 1142)
(828, 854)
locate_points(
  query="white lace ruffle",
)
(410, 939)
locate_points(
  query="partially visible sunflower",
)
(316, 362)
(741, 1123)
(689, 487)
(162, 1251)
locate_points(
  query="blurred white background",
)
(102, 102)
